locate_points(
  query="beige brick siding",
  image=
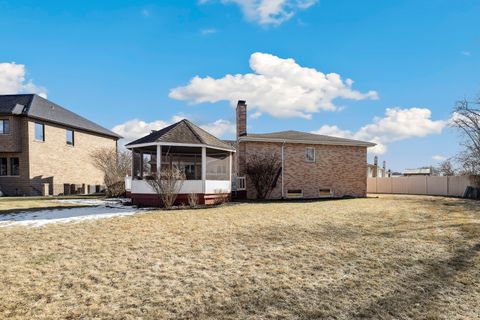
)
(341, 168)
(55, 161)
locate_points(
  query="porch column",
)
(133, 164)
(159, 159)
(141, 165)
(204, 167)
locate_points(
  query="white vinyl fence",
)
(424, 185)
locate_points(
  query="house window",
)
(3, 167)
(39, 131)
(14, 167)
(310, 154)
(4, 126)
(294, 193)
(325, 192)
(70, 137)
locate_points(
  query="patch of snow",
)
(104, 209)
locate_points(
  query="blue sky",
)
(117, 62)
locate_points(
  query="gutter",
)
(332, 143)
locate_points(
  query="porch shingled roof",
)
(182, 132)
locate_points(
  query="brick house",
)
(45, 148)
(313, 166)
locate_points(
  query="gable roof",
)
(34, 106)
(183, 132)
(292, 136)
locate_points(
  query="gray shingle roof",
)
(183, 132)
(304, 137)
(34, 106)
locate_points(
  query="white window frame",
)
(35, 131)
(3, 132)
(73, 137)
(298, 195)
(325, 196)
(307, 149)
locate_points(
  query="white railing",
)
(239, 184)
(128, 183)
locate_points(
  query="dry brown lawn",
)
(14, 204)
(389, 258)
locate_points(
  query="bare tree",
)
(446, 168)
(192, 199)
(263, 170)
(115, 165)
(466, 117)
(167, 185)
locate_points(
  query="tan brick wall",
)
(66, 164)
(341, 168)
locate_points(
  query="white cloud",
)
(466, 53)
(13, 80)
(219, 128)
(136, 128)
(398, 124)
(208, 31)
(146, 13)
(269, 12)
(439, 158)
(279, 87)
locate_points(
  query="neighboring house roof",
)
(182, 132)
(34, 106)
(421, 171)
(292, 136)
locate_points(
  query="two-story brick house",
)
(46, 149)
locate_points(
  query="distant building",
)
(45, 148)
(418, 172)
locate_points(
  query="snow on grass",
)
(95, 209)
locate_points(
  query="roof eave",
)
(175, 144)
(334, 143)
(112, 135)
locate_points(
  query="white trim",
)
(306, 155)
(331, 143)
(204, 168)
(175, 144)
(159, 157)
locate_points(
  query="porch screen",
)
(218, 165)
(189, 164)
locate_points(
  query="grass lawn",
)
(14, 204)
(392, 257)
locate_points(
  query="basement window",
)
(325, 193)
(294, 193)
(4, 126)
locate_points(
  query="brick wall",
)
(11, 142)
(341, 168)
(54, 161)
(18, 185)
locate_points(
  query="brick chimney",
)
(241, 118)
